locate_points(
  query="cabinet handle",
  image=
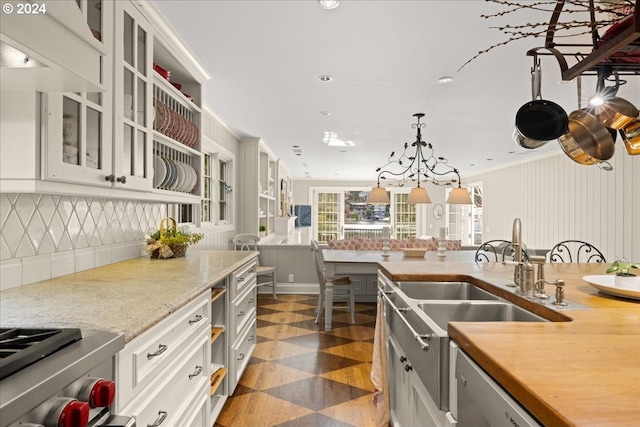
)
(408, 368)
(162, 415)
(122, 179)
(251, 338)
(241, 356)
(197, 319)
(196, 373)
(110, 178)
(161, 349)
(403, 359)
(242, 313)
(240, 279)
(251, 301)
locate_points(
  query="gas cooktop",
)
(20, 347)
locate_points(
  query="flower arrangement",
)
(171, 242)
(622, 268)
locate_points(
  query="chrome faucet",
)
(523, 274)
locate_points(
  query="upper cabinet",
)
(49, 46)
(142, 133)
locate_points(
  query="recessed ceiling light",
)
(325, 78)
(328, 4)
(445, 80)
(325, 113)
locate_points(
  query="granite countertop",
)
(128, 297)
(580, 369)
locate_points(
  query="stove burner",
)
(20, 348)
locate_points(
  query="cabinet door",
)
(133, 88)
(399, 405)
(78, 138)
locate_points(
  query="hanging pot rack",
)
(603, 57)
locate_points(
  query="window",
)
(224, 191)
(217, 205)
(464, 222)
(338, 213)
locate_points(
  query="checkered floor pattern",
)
(300, 375)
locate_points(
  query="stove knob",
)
(67, 412)
(98, 392)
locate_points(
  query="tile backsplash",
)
(44, 236)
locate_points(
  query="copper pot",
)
(588, 141)
(631, 137)
(616, 112)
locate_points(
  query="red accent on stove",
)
(102, 394)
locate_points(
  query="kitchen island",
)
(128, 297)
(580, 369)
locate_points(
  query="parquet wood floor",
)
(300, 375)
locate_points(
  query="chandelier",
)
(420, 166)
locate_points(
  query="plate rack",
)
(176, 117)
(176, 170)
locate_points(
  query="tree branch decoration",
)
(615, 9)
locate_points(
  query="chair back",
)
(498, 251)
(575, 251)
(319, 261)
(245, 242)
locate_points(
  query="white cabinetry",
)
(242, 320)
(409, 401)
(141, 133)
(163, 373)
(218, 390)
(258, 181)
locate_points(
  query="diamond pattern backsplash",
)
(39, 224)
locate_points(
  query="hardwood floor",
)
(300, 375)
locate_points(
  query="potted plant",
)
(171, 242)
(624, 278)
(262, 230)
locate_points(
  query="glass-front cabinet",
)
(143, 132)
(132, 97)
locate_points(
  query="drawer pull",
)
(196, 373)
(251, 301)
(241, 356)
(197, 319)
(161, 349)
(240, 279)
(162, 415)
(242, 313)
(251, 338)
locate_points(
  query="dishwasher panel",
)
(481, 402)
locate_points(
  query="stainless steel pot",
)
(587, 141)
(540, 120)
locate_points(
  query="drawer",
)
(241, 311)
(242, 278)
(144, 357)
(241, 353)
(166, 401)
(197, 414)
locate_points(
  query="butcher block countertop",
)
(581, 369)
(128, 297)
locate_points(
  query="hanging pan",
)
(587, 141)
(631, 136)
(539, 120)
(615, 112)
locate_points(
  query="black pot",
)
(541, 120)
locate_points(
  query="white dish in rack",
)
(605, 283)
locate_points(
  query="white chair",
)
(249, 242)
(340, 284)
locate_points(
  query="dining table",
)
(340, 263)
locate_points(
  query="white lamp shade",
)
(419, 195)
(378, 196)
(459, 196)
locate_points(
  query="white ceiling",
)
(385, 58)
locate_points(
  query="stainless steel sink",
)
(443, 312)
(444, 291)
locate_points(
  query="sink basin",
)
(444, 291)
(444, 312)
